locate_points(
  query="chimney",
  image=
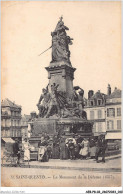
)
(109, 90)
(90, 93)
(33, 115)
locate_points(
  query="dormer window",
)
(99, 102)
(92, 103)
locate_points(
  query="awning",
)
(99, 133)
(8, 140)
(114, 135)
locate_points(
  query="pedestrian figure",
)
(63, 150)
(56, 149)
(77, 150)
(92, 147)
(16, 150)
(84, 149)
(79, 141)
(42, 152)
(101, 148)
(49, 150)
(26, 148)
(71, 148)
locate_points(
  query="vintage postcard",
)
(61, 94)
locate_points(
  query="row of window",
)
(110, 124)
(93, 103)
(5, 123)
(15, 113)
(99, 127)
(99, 114)
(15, 122)
(11, 133)
(8, 122)
(110, 113)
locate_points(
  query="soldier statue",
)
(43, 102)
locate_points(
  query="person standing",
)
(101, 148)
(63, 150)
(71, 148)
(84, 148)
(56, 149)
(92, 147)
(77, 150)
(42, 152)
(26, 147)
(79, 141)
(16, 150)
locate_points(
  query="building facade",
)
(104, 110)
(10, 119)
(113, 114)
(95, 109)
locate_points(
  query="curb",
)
(69, 168)
(112, 158)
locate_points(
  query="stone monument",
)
(60, 104)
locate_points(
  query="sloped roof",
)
(26, 117)
(116, 94)
(98, 95)
(9, 103)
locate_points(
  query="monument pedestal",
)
(64, 127)
(62, 73)
(61, 126)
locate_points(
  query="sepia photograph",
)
(61, 94)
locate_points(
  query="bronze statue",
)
(43, 102)
(55, 103)
(50, 103)
(60, 42)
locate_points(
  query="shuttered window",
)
(99, 114)
(110, 112)
(118, 124)
(118, 111)
(91, 114)
(110, 125)
(99, 127)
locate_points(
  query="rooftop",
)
(26, 117)
(115, 94)
(98, 95)
(8, 103)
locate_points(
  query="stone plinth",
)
(62, 126)
(75, 126)
(62, 73)
(42, 124)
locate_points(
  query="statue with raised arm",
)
(60, 43)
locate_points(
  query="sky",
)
(26, 32)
